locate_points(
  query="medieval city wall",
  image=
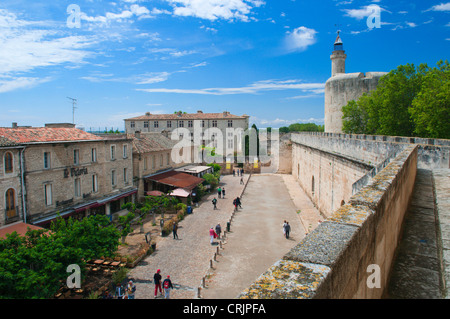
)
(350, 254)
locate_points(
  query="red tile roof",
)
(20, 227)
(46, 134)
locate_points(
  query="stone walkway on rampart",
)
(254, 243)
(422, 259)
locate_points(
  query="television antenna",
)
(74, 103)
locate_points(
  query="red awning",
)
(177, 179)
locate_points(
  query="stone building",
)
(199, 128)
(343, 87)
(69, 172)
(11, 204)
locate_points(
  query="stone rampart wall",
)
(351, 252)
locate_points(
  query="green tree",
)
(407, 101)
(430, 109)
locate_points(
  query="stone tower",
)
(338, 57)
(343, 87)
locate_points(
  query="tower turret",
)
(338, 57)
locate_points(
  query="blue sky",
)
(268, 59)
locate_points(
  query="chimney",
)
(199, 111)
(148, 113)
(179, 113)
(137, 134)
(226, 113)
(14, 124)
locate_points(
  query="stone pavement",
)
(256, 239)
(187, 259)
(254, 243)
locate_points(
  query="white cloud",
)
(260, 86)
(440, 7)
(363, 12)
(27, 46)
(13, 83)
(300, 39)
(215, 9)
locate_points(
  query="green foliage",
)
(430, 109)
(215, 166)
(211, 179)
(119, 276)
(305, 127)
(125, 223)
(408, 101)
(34, 265)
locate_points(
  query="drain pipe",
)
(22, 173)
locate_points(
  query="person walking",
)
(120, 291)
(174, 231)
(157, 280)
(214, 201)
(218, 230)
(167, 284)
(242, 181)
(288, 230)
(235, 204)
(131, 289)
(234, 173)
(284, 228)
(219, 192)
(212, 235)
(238, 202)
(223, 192)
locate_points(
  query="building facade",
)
(343, 87)
(68, 172)
(222, 131)
(11, 204)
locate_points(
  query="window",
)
(161, 160)
(214, 123)
(48, 194)
(76, 157)
(125, 176)
(155, 124)
(132, 124)
(145, 124)
(190, 123)
(168, 158)
(203, 123)
(230, 123)
(46, 160)
(145, 163)
(8, 162)
(169, 124)
(94, 183)
(230, 144)
(125, 151)
(153, 161)
(180, 123)
(113, 178)
(94, 155)
(113, 152)
(77, 187)
(10, 203)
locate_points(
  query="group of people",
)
(221, 192)
(122, 291)
(160, 284)
(239, 171)
(215, 233)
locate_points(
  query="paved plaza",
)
(254, 243)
